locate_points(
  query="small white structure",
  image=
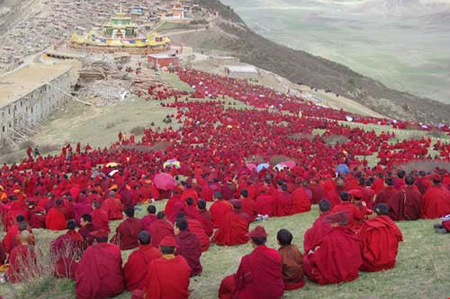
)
(241, 71)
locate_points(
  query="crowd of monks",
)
(218, 148)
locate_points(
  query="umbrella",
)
(251, 166)
(164, 181)
(112, 164)
(113, 172)
(342, 168)
(290, 163)
(172, 162)
(262, 166)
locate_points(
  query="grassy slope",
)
(299, 66)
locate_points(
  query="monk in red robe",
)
(148, 219)
(219, 209)
(136, 268)
(87, 229)
(22, 260)
(355, 214)
(188, 246)
(264, 203)
(204, 216)
(99, 272)
(406, 204)
(36, 215)
(300, 201)
(385, 195)
(113, 206)
(55, 219)
(67, 250)
(292, 260)
(81, 208)
(248, 205)
(100, 217)
(160, 229)
(168, 276)
(313, 236)
(260, 273)
(234, 228)
(337, 258)
(282, 201)
(379, 239)
(11, 234)
(436, 201)
(128, 231)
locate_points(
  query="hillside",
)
(314, 71)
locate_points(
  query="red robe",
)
(379, 239)
(168, 278)
(300, 201)
(135, 270)
(385, 195)
(100, 219)
(406, 204)
(249, 208)
(113, 206)
(232, 231)
(337, 258)
(197, 228)
(37, 217)
(190, 248)
(218, 211)
(81, 209)
(264, 203)
(55, 220)
(21, 260)
(127, 234)
(148, 220)
(282, 203)
(99, 272)
(446, 225)
(314, 236)
(259, 275)
(355, 215)
(159, 229)
(206, 219)
(436, 202)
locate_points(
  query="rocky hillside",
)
(299, 66)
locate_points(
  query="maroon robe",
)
(22, 263)
(406, 204)
(127, 233)
(436, 202)
(190, 248)
(135, 270)
(232, 231)
(99, 272)
(160, 229)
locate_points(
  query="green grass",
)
(421, 270)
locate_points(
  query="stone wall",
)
(34, 107)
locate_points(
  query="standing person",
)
(188, 245)
(292, 261)
(99, 272)
(263, 266)
(168, 276)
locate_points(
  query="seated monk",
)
(219, 209)
(86, 230)
(128, 231)
(233, 229)
(196, 227)
(379, 239)
(80, 208)
(300, 201)
(135, 270)
(292, 260)
(11, 233)
(168, 276)
(204, 216)
(282, 201)
(22, 226)
(99, 272)
(148, 219)
(113, 206)
(248, 205)
(337, 256)
(355, 214)
(436, 200)
(385, 195)
(36, 215)
(160, 228)
(100, 217)
(67, 249)
(188, 245)
(406, 204)
(264, 203)
(55, 219)
(259, 275)
(22, 260)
